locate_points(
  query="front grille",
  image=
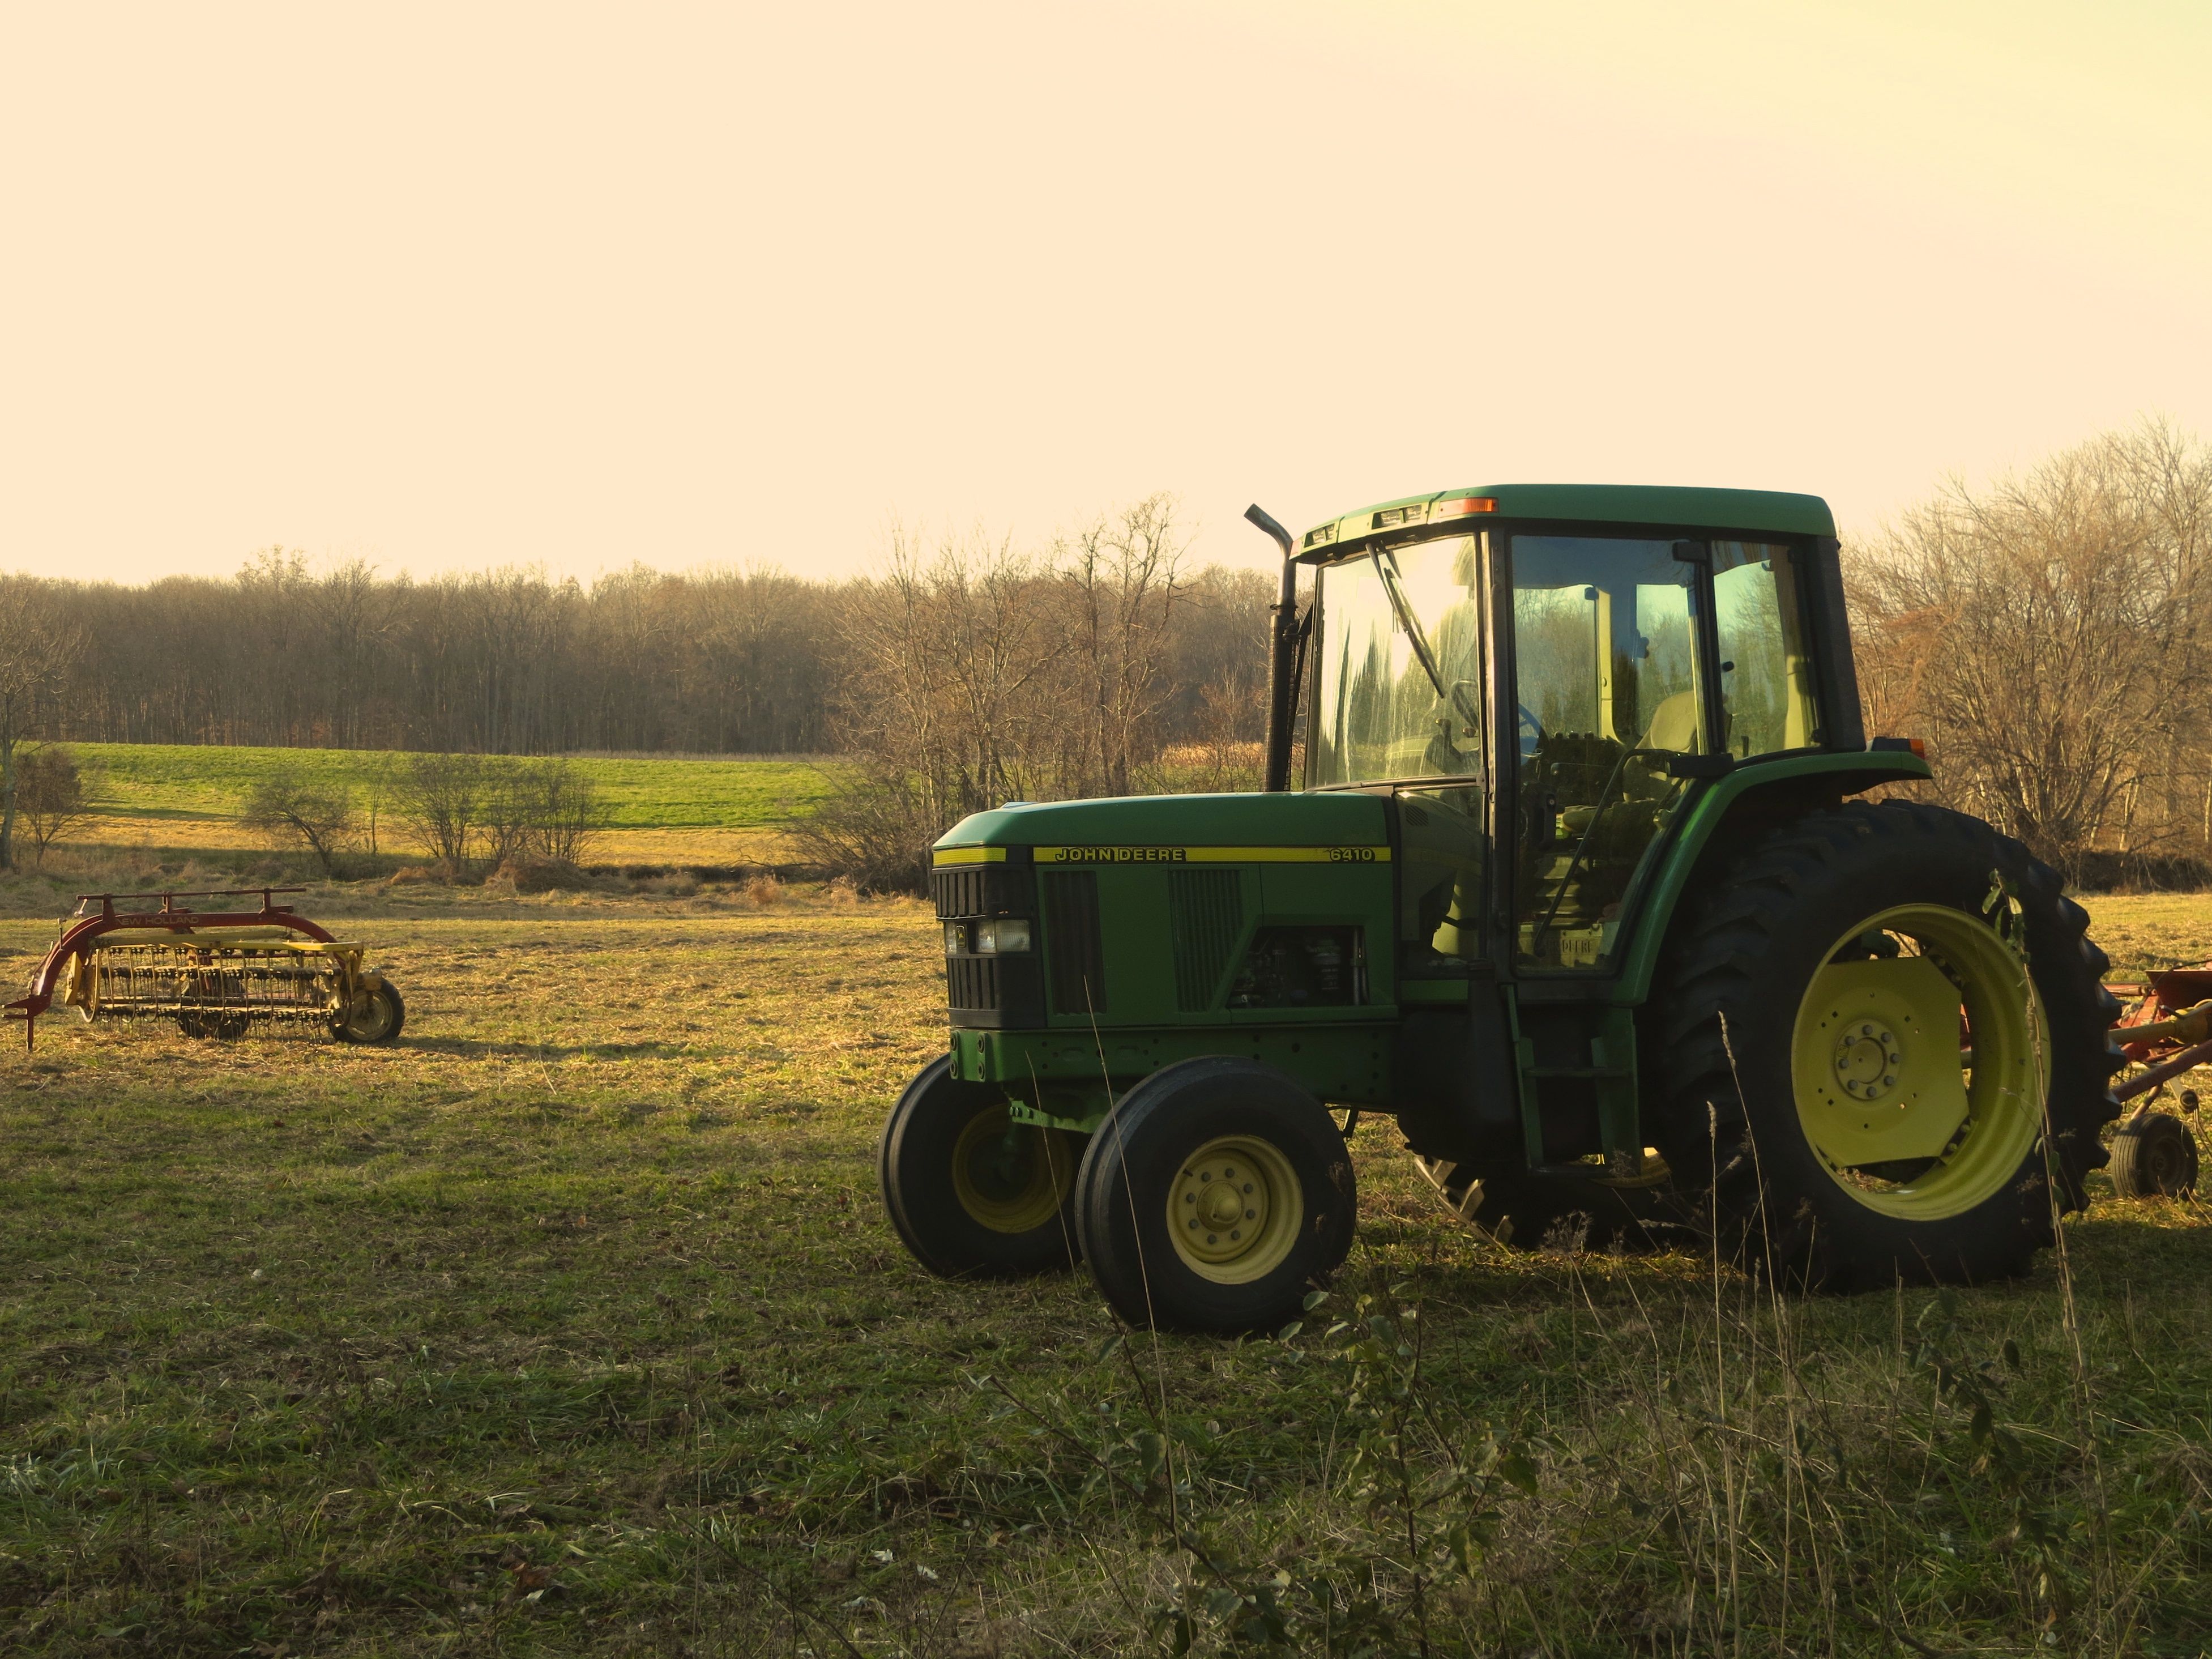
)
(972, 983)
(994, 991)
(1072, 945)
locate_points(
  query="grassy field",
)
(661, 808)
(571, 1325)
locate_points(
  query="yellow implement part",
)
(2190, 1026)
(224, 939)
(214, 937)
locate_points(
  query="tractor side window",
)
(1607, 685)
(1766, 674)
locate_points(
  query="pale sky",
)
(459, 286)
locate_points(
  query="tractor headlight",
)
(1002, 936)
(956, 937)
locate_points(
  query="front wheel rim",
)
(1009, 1177)
(368, 1020)
(1919, 1061)
(1234, 1209)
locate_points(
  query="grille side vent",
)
(989, 889)
(1075, 955)
(1205, 910)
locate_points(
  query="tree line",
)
(2049, 635)
(512, 661)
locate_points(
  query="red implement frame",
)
(85, 929)
(2163, 996)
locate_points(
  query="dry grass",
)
(571, 1325)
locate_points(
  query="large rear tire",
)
(1884, 1053)
(1213, 1197)
(970, 1192)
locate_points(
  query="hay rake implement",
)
(2166, 1030)
(217, 973)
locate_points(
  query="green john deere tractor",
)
(1574, 887)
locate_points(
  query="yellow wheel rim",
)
(1920, 1076)
(1235, 1210)
(1010, 1176)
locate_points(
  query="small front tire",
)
(376, 1017)
(2154, 1156)
(1214, 1195)
(970, 1192)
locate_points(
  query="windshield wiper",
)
(1394, 590)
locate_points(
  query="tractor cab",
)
(1541, 695)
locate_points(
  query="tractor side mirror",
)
(1700, 766)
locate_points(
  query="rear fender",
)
(1727, 813)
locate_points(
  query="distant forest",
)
(715, 661)
(2049, 635)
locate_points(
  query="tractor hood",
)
(1176, 828)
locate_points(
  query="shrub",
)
(294, 810)
(440, 798)
(528, 873)
(874, 832)
(458, 804)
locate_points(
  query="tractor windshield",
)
(1399, 691)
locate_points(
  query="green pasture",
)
(203, 781)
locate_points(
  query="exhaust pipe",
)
(1282, 648)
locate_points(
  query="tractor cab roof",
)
(1744, 511)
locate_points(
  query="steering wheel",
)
(1531, 730)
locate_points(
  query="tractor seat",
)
(1674, 724)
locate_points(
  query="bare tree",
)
(1121, 594)
(37, 650)
(296, 809)
(2051, 636)
(570, 814)
(506, 809)
(51, 801)
(376, 778)
(976, 674)
(947, 653)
